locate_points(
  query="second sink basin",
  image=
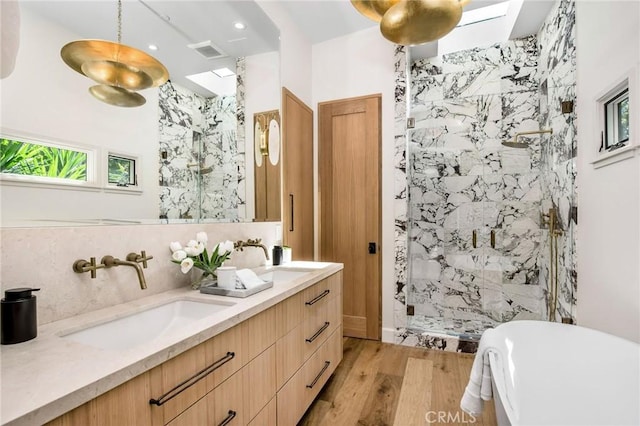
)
(280, 276)
(141, 327)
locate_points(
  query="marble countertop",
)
(48, 376)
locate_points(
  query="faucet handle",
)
(82, 265)
(139, 258)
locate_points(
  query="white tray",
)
(238, 292)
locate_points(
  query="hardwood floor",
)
(383, 384)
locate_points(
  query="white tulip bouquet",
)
(195, 254)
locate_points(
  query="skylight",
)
(223, 72)
(216, 83)
(482, 14)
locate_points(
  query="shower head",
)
(515, 144)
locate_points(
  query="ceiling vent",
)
(207, 49)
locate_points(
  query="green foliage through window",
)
(23, 158)
(122, 171)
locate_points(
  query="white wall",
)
(608, 45)
(46, 98)
(295, 51)
(262, 88)
(358, 64)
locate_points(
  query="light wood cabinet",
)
(254, 373)
(297, 176)
(299, 392)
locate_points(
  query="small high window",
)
(616, 121)
(122, 170)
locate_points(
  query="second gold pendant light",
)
(410, 22)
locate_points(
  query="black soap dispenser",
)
(277, 255)
(18, 313)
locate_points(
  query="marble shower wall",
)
(454, 176)
(202, 173)
(557, 70)
(462, 179)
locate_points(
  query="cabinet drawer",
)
(266, 417)
(289, 314)
(259, 382)
(298, 345)
(259, 332)
(319, 327)
(316, 297)
(296, 395)
(223, 405)
(181, 381)
(230, 408)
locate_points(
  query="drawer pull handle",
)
(317, 298)
(318, 333)
(326, 365)
(178, 389)
(228, 419)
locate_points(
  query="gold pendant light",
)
(373, 9)
(409, 22)
(120, 70)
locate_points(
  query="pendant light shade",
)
(409, 22)
(420, 21)
(117, 96)
(118, 69)
(373, 9)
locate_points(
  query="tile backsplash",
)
(43, 258)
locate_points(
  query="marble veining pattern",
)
(458, 177)
(558, 157)
(199, 177)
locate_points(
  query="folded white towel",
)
(479, 386)
(248, 278)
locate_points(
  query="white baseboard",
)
(388, 335)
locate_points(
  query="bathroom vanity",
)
(260, 360)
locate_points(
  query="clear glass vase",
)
(201, 278)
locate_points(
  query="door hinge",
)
(411, 310)
(411, 122)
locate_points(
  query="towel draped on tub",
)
(479, 386)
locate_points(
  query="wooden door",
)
(297, 157)
(349, 165)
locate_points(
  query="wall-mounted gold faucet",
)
(240, 245)
(108, 261)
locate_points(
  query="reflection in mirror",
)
(193, 160)
(267, 166)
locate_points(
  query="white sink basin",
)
(281, 276)
(141, 327)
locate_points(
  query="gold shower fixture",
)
(119, 70)
(410, 22)
(516, 144)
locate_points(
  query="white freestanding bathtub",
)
(556, 374)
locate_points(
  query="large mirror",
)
(191, 145)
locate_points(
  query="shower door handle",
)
(493, 238)
(474, 238)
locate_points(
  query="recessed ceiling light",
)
(153, 47)
(223, 72)
(239, 25)
(486, 13)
